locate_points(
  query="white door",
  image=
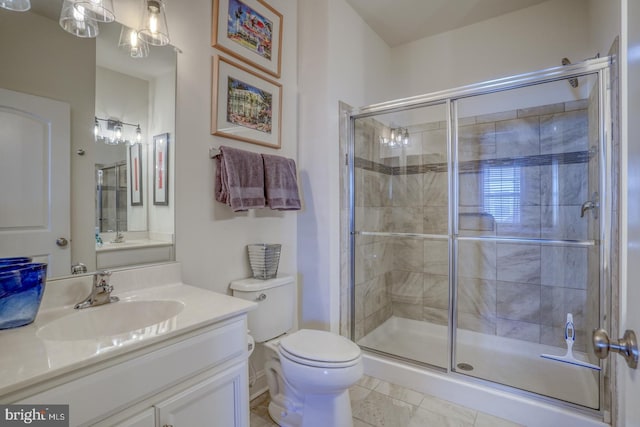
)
(630, 318)
(35, 179)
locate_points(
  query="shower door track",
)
(599, 66)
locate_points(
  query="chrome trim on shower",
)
(452, 171)
(506, 83)
(352, 227)
(394, 234)
(552, 242)
(605, 213)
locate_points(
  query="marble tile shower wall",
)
(374, 255)
(515, 290)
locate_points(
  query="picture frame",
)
(161, 169)
(249, 30)
(245, 105)
(135, 174)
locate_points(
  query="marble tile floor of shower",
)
(378, 403)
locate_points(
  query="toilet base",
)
(282, 417)
(321, 410)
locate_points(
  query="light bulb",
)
(138, 134)
(133, 38)
(78, 13)
(153, 23)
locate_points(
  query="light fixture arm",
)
(115, 126)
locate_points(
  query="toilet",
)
(308, 372)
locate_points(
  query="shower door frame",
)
(608, 309)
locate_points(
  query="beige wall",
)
(210, 239)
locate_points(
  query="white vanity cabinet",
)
(215, 401)
(200, 379)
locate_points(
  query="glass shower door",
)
(527, 238)
(401, 227)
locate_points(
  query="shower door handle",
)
(592, 204)
(627, 346)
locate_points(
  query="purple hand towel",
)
(281, 183)
(239, 179)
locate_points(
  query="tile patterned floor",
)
(376, 403)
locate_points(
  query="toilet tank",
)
(276, 305)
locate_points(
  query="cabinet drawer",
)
(110, 389)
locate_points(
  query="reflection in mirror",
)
(90, 78)
(135, 97)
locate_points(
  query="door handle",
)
(62, 242)
(627, 346)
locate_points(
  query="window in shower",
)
(501, 193)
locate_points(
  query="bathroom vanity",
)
(165, 354)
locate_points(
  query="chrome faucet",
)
(119, 238)
(100, 291)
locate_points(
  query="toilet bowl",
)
(308, 372)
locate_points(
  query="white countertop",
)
(27, 359)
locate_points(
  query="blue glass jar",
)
(14, 260)
(21, 289)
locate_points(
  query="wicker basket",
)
(264, 259)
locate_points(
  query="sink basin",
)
(111, 320)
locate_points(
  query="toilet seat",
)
(319, 349)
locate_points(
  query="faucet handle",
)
(101, 278)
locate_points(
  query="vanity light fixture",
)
(153, 26)
(115, 132)
(96, 10)
(16, 5)
(130, 42)
(397, 137)
(74, 21)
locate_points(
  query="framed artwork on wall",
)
(249, 30)
(135, 174)
(245, 106)
(161, 169)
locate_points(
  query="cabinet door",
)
(219, 401)
(143, 419)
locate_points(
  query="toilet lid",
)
(319, 346)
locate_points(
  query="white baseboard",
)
(259, 386)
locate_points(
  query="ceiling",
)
(402, 21)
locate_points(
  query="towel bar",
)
(213, 152)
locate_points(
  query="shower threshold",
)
(506, 361)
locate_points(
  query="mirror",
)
(112, 217)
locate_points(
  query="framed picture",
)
(245, 106)
(135, 174)
(249, 30)
(161, 169)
